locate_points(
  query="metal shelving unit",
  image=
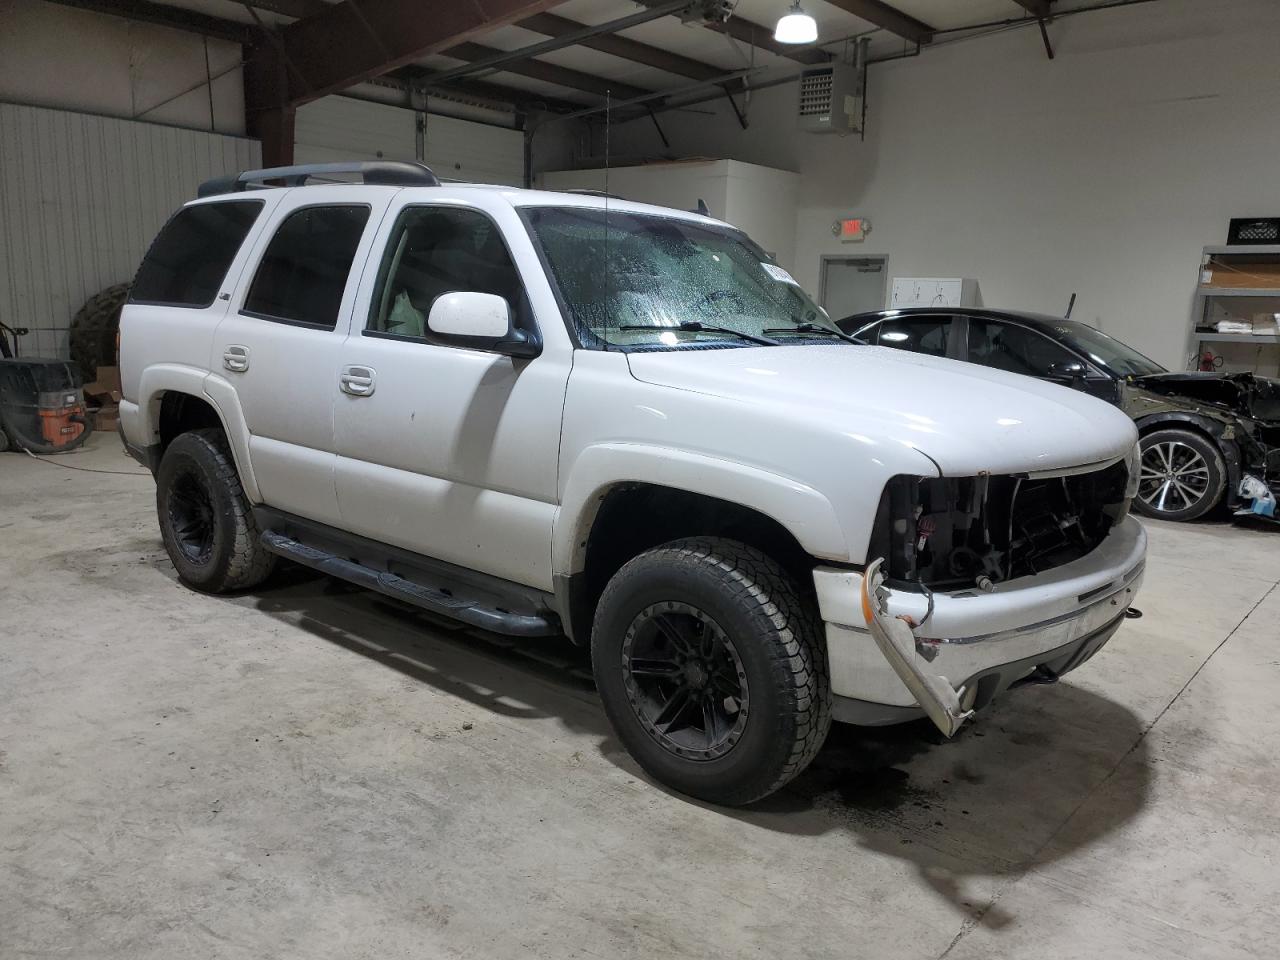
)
(1207, 295)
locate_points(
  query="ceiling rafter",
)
(346, 43)
(178, 18)
(886, 17)
(548, 72)
(616, 45)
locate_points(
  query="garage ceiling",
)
(661, 56)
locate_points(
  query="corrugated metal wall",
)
(342, 128)
(81, 198)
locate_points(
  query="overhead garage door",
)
(341, 128)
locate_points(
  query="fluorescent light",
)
(796, 27)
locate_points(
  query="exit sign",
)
(851, 229)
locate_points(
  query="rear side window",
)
(188, 260)
(304, 272)
(931, 334)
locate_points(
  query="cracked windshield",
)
(642, 282)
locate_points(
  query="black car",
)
(1201, 432)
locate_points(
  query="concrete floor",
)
(309, 772)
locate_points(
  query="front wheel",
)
(1183, 475)
(206, 522)
(712, 669)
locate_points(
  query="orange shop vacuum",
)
(41, 401)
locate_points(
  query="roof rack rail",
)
(395, 173)
(588, 192)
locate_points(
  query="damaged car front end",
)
(981, 584)
(1240, 411)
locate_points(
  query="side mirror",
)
(1073, 371)
(481, 321)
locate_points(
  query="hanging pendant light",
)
(796, 27)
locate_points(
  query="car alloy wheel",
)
(1174, 477)
(685, 681)
(191, 516)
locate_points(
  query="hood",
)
(1242, 393)
(964, 417)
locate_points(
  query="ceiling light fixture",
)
(796, 27)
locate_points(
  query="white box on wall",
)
(933, 292)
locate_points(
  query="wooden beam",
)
(548, 72)
(619, 46)
(880, 14)
(355, 40)
(178, 18)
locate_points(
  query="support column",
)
(269, 115)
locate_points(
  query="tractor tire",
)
(94, 329)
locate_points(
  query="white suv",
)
(546, 413)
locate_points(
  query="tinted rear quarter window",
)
(192, 253)
(303, 273)
(931, 334)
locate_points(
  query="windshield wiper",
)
(696, 326)
(815, 328)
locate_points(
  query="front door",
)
(278, 346)
(445, 450)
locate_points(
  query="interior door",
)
(448, 451)
(852, 285)
(279, 345)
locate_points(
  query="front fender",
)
(803, 511)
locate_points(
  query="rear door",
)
(180, 293)
(279, 343)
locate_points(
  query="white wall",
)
(758, 199)
(57, 56)
(1102, 172)
(341, 128)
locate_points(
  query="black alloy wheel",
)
(685, 680)
(190, 508)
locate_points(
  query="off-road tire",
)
(777, 634)
(4, 440)
(236, 559)
(1214, 462)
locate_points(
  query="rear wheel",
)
(1183, 475)
(712, 669)
(206, 522)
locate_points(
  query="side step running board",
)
(467, 611)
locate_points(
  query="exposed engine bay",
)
(952, 533)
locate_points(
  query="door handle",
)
(236, 358)
(357, 381)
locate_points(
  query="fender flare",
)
(162, 378)
(803, 511)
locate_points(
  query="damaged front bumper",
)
(1034, 627)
